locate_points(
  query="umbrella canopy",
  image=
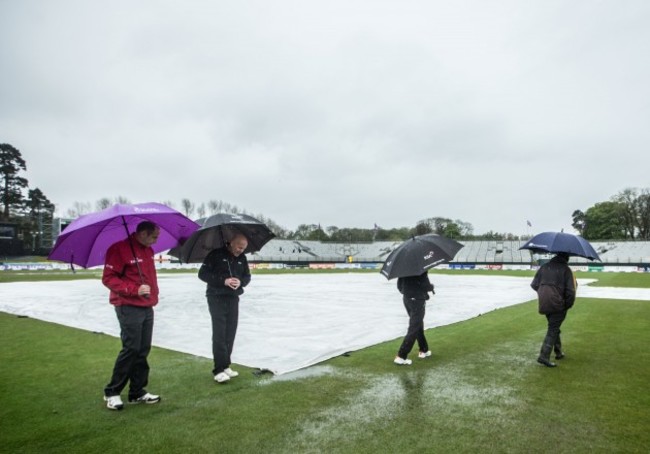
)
(216, 230)
(415, 256)
(85, 241)
(555, 242)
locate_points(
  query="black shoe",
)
(546, 362)
(559, 355)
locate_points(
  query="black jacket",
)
(555, 286)
(415, 286)
(218, 266)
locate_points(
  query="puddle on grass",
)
(309, 372)
(479, 385)
(379, 402)
(441, 390)
(445, 387)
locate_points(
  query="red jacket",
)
(121, 274)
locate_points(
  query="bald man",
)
(226, 273)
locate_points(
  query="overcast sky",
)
(345, 113)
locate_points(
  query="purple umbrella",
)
(85, 241)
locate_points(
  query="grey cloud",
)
(341, 113)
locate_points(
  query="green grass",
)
(313, 271)
(481, 391)
(81, 273)
(604, 279)
(640, 280)
(48, 275)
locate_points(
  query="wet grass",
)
(637, 280)
(81, 273)
(481, 391)
(47, 275)
(604, 279)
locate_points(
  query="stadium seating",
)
(478, 252)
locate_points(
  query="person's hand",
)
(233, 283)
(144, 290)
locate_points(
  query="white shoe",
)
(146, 398)
(221, 377)
(231, 373)
(424, 354)
(402, 361)
(114, 402)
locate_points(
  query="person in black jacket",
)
(226, 272)
(556, 292)
(416, 292)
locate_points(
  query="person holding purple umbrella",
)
(130, 275)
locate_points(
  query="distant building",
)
(58, 226)
(10, 244)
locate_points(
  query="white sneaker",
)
(424, 354)
(221, 377)
(114, 402)
(402, 361)
(146, 398)
(231, 373)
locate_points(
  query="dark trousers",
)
(552, 340)
(224, 312)
(136, 325)
(554, 322)
(415, 310)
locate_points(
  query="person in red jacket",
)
(130, 275)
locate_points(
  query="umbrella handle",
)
(137, 265)
(135, 257)
(223, 240)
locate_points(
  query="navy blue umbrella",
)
(556, 242)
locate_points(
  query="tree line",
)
(626, 216)
(28, 208)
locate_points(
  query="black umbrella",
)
(555, 242)
(218, 229)
(415, 256)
